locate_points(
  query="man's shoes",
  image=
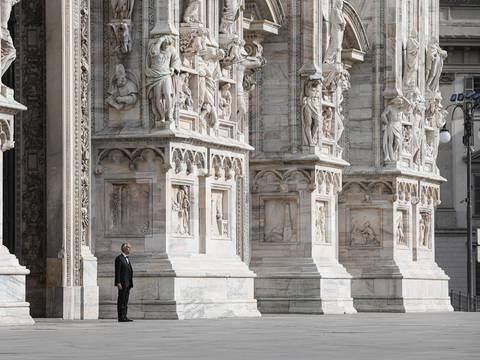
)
(128, 320)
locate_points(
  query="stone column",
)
(14, 310)
(391, 189)
(296, 174)
(72, 291)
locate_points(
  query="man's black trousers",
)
(122, 303)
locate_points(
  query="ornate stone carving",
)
(6, 135)
(312, 112)
(321, 223)
(231, 13)
(365, 226)
(410, 76)
(185, 99)
(281, 220)
(122, 23)
(434, 66)
(192, 12)
(337, 30)
(8, 52)
(162, 65)
(181, 205)
(219, 216)
(225, 101)
(392, 118)
(424, 230)
(123, 93)
(400, 227)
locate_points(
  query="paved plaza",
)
(354, 337)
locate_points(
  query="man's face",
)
(127, 249)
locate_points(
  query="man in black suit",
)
(123, 281)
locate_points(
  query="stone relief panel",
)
(280, 220)
(425, 230)
(121, 24)
(128, 208)
(401, 228)
(181, 210)
(365, 228)
(219, 214)
(321, 218)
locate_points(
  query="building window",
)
(472, 83)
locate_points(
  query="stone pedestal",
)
(387, 245)
(294, 244)
(14, 310)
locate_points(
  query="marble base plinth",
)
(408, 288)
(13, 308)
(302, 286)
(195, 287)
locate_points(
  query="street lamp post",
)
(468, 102)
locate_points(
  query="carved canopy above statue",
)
(267, 15)
(355, 41)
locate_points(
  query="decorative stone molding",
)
(131, 155)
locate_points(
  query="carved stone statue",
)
(320, 223)
(418, 130)
(337, 30)
(181, 204)
(225, 101)
(122, 9)
(231, 12)
(328, 121)
(209, 72)
(433, 67)
(410, 75)
(400, 233)
(162, 64)
(185, 99)
(192, 12)
(312, 112)
(121, 31)
(425, 223)
(234, 52)
(393, 128)
(363, 235)
(123, 93)
(8, 52)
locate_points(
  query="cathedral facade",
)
(261, 156)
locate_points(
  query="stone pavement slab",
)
(452, 336)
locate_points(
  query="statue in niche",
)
(392, 127)
(363, 235)
(193, 43)
(434, 66)
(407, 139)
(192, 12)
(342, 87)
(122, 9)
(209, 72)
(185, 99)
(333, 54)
(418, 130)
(401, 239)
(425, 223)
(231, 13)
(121, 30)
(328, 121)
(123, 93)
(225, 101)
(234, 52)
(8, 52)
(410, 75)
(438, 120)
(181, 204)
(312, 112)
(163, 64)
(321, 223)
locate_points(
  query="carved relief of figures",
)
(123, 93)
(121, 24)
(312, 112)
(219, 214)
(328, 122)
(407, 139)
(434, 66)
(8, 52)
(392, 127)
(424, 229)
(192, 12)
(280, 221)
(122, 9)
(363, 235)
(181, 207)
(400, 228)
(234, 52)
(185, 99)
(192, 43)
(231, 13)
(225, 101)
(162, 65)
(410, 75)
(334, 51)
(321, 223)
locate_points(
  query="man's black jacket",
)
(123, 272)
